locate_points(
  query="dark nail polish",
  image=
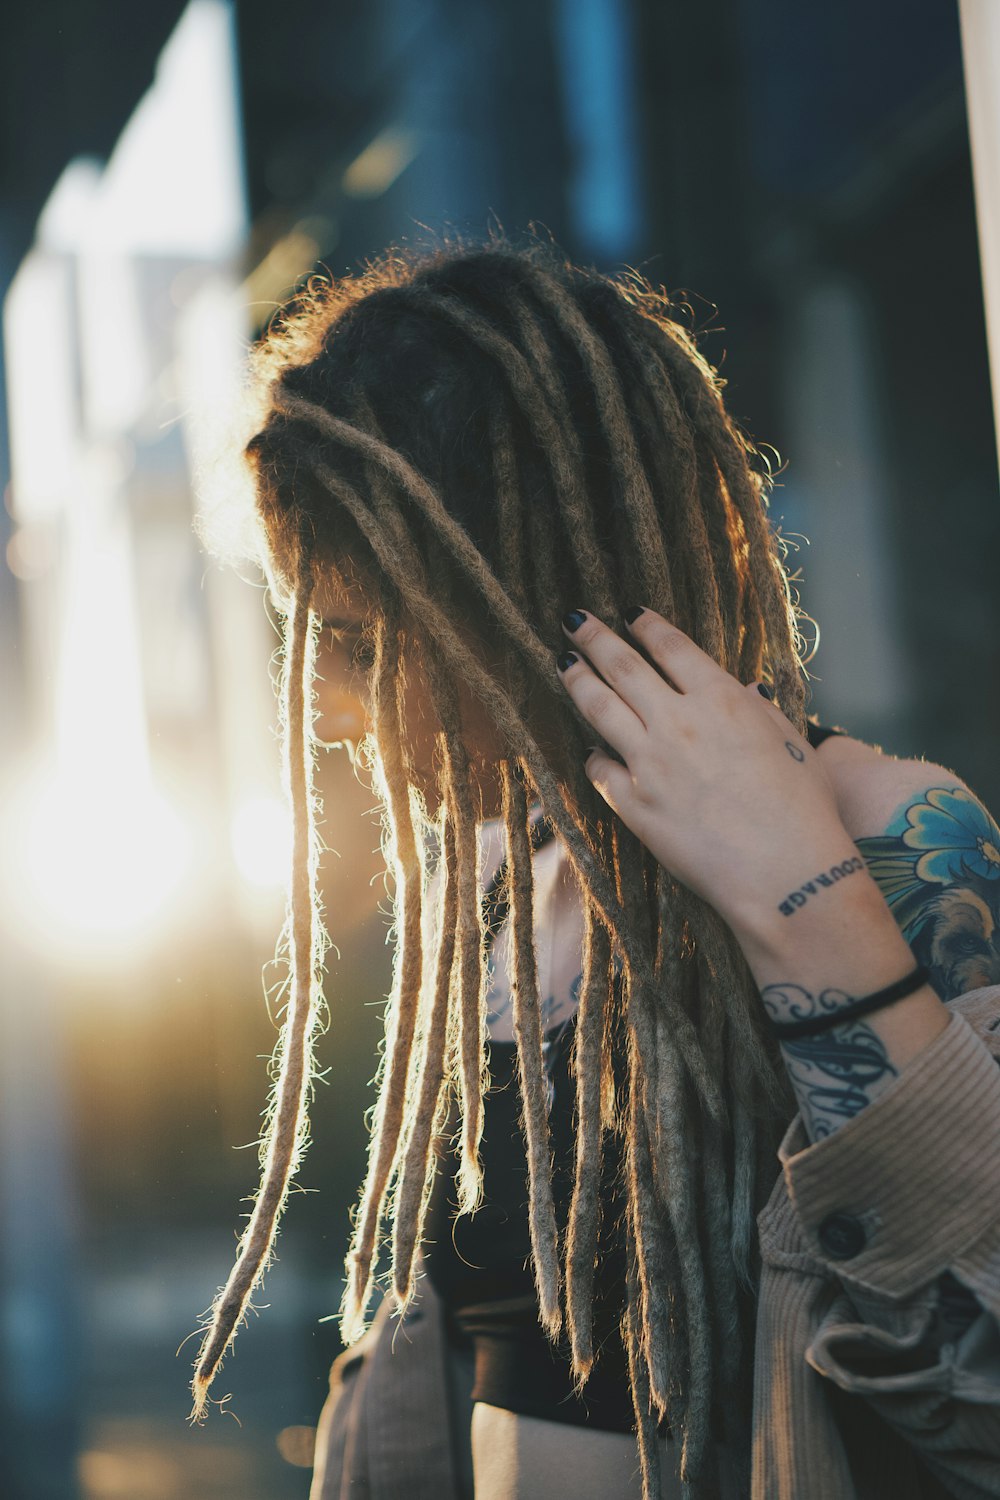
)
(765, 691)
(574, 619)
(566, 660)
(632, 613)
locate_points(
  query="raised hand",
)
(713, 778)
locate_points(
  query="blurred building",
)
(804, 174)
(801, 175)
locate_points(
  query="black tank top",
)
(480, 1266)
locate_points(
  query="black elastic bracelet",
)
(787, 1030)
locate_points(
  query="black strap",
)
(787, 1031)
(817, 733)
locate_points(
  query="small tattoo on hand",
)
(794, 751)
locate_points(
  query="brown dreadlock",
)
(487, 435)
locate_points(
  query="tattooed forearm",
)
(798, 898)
(836, 1073)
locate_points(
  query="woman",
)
(507, 490)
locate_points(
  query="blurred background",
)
(168, 174)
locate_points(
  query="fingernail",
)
(566, 660)
(632, 613)
(765, 691)
(574, 619)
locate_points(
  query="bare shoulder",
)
(872, 787)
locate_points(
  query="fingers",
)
(619, 692)
(686, 665)
(613, 781)
(762, 689)
(600, 705)
(638, 684)
(630, 694)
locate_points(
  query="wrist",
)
(798, 876)
(841, 933)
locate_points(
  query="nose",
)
(341, 715)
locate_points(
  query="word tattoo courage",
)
(798, 898)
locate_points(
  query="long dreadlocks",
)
(488, 435)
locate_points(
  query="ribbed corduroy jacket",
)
(856, 1396)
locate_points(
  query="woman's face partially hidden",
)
(341, 700)
(344, 708)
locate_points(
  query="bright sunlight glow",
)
(96, 864)
(261, 836)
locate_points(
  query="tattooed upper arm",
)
(934, 851)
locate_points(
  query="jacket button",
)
(842, 1236)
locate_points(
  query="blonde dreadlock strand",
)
(404, 1002)
(472, 974)
(528, 1034)
(286, 1134)
(416, 1174)
(634, 1339)
(585, 1208)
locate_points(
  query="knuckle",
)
(664, 639)
(624, 664)
(730, 697)
(598, 707)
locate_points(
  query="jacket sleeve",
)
(900, 1211)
